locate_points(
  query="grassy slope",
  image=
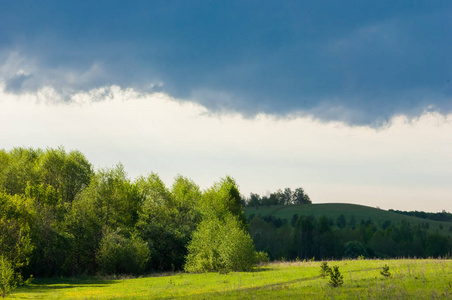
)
(411, 279)
(334, 210)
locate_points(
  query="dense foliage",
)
(7, 274)
(60, 217)
(220, 245)
(221, 242)
(305, 237)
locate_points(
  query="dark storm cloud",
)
(356, 61)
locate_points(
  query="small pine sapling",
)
(385, 272)
(324, 269)
(336, 278)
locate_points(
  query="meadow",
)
(410, 279)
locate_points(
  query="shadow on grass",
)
(42, 285)
(70, 281)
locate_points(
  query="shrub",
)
(262, 257)
(7, 280)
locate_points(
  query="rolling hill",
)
(334, 210)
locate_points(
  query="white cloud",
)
(406, 164)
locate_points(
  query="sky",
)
(350, 100)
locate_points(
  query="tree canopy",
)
(60, 217)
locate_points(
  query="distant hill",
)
(439, 216)
(359, 212)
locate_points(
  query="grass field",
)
(334, 210)
(410, 279)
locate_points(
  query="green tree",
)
(108, 203)
(438, 245)
(341, 222)
(220, 245)
(4, 168)
(354, 249)
(324, 224)
(186, 196)
(263, 234)
(67, 173)
(7, 276)
(324, 269)
(385, 272)
(325, 240)
(122, 253)
(288, 196)
(280, 197)
(336, 278)
(166, 230)
(50, 241)
(254, 200)
(220, 242)
(16, 218)
(304, 237)
(300, 197)
(18, 167)
(112, 198)
(223, 198)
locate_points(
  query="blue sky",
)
(360, 66)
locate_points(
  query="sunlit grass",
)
(410, 279)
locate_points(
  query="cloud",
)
(356, 62)
(406, 163)
(16, 83)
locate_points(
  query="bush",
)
(262, 257)
(220, 245)
(7, 280)
(119, 254)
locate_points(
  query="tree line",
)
(439, 216)
(307, 237)
(280, 197)
(59, 217)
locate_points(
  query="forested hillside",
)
(338, 230)
(60, 217)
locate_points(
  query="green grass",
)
(411, 279)
(334, 210)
